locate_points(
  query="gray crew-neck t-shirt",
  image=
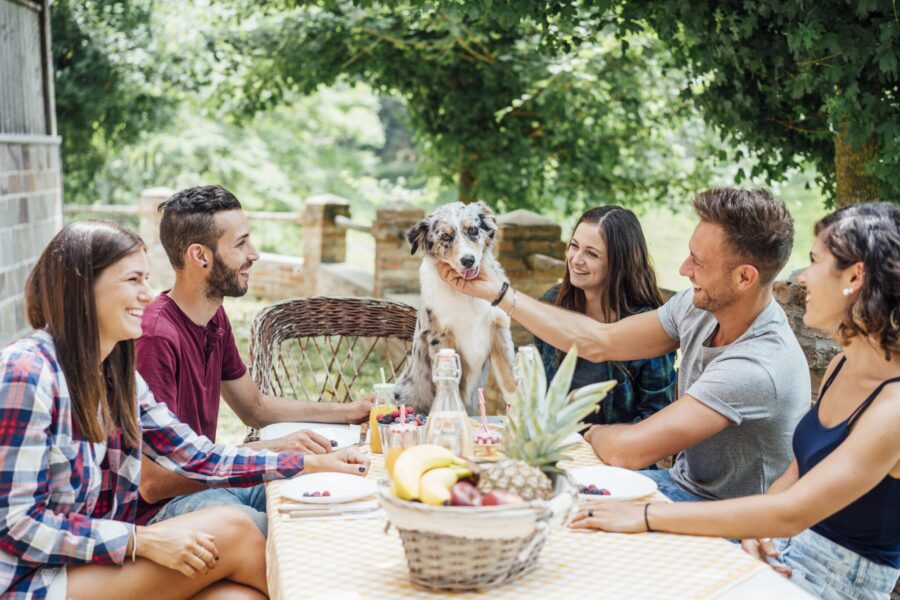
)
(760, 382)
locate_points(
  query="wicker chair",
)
(328, 349)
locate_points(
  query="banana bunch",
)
(427, 473)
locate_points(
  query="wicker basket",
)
(452, 548)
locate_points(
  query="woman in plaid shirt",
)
(72, 434)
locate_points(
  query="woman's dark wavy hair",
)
(631, 284)
(870, 234)
(59, 297)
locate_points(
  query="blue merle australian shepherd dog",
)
(461, 236)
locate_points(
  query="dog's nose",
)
(467, 261)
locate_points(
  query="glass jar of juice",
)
(383, 404)
(400, 437)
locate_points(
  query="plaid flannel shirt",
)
(644, 387)
(57, 505)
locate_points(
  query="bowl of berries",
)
(611, 483)
(386, 420)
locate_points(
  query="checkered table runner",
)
(357, 559)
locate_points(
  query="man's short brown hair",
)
(188, 218)
(758, 227)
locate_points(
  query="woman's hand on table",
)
(305, 441)
(189, 552)
(486, 284)
(347, 460)
(763, 549)
(611, 515)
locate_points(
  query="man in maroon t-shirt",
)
(188, 356)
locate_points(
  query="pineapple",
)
(539, 419)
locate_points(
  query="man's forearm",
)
(558, 327)
(282, 410)
(615, 445)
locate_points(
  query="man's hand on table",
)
(305, 441)
(356, 412)
(346, 460)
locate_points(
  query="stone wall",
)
(818, 348)
(30, 215)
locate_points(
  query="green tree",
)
(595, 119)
(110, 84)
(794, 81)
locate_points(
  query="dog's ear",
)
(486, 219)
(416, 235)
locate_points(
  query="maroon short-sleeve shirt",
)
(184, 364)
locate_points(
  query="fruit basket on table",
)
(476, 546)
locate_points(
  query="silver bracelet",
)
(133, 542)
(513, 307)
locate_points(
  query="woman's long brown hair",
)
(59, 297)
(631, 280)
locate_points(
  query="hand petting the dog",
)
(486, 285)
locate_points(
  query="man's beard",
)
(715, 302)
(224, 282)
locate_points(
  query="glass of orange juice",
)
(383, 404)
(401, 436)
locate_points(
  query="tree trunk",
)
(853, 184)
(466, 178)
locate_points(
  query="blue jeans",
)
(669, 488)
(251, 500)
(831, 572)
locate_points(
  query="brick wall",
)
(30, 214)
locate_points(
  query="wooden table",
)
(356, 558)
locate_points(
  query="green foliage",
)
(780, 77)
(783, 77)
(109, 84)
(593, 119)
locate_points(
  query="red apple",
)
(464, 493)
(497, 497)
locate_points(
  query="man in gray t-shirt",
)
(743, 382)
(759, 382)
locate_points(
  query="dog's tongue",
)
(470, 274)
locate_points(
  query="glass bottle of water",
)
(448, 423)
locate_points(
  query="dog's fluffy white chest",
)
(468, 318)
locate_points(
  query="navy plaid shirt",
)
(644, 386)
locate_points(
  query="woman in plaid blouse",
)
(74, 420)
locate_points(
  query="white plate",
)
(622, 483)
(344, 435)
(342, 486)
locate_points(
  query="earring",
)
(847, 291)
(207, 264)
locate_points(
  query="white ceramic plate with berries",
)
(611, 483)
(328, 488)
(341, 436)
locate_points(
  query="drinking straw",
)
(482, 408)
(403, 414)
(383, 378)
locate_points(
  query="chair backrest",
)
(329, 349)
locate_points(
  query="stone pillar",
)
(818, 348)
(162, 276)
(323, 240)
(396, 270)
(520, 234)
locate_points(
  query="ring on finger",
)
(765, 540)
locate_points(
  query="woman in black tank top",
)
(838, 503)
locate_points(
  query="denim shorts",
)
(669, 488)
(251, 500)
(831, 572)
